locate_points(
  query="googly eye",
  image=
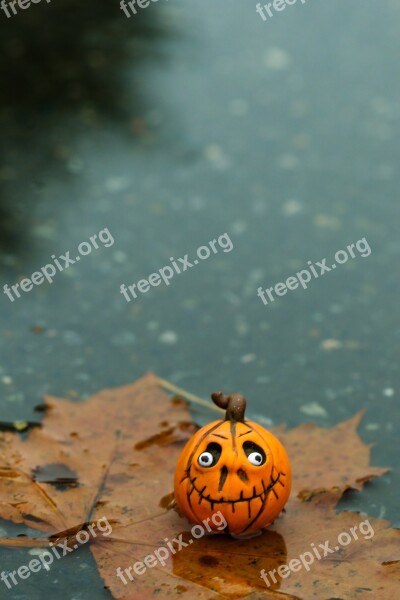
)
(256, 458)
(210, 456)
(205, 459)
(255, 454)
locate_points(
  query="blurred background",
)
(170, 128)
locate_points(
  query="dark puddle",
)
(57, 474)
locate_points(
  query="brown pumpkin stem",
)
(235, 405)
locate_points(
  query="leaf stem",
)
(187, 395)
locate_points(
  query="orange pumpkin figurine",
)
(235, 467)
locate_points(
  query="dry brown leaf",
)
(114, 455)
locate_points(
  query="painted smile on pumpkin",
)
(266, 490)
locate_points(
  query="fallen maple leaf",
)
(114, 455)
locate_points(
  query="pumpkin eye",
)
(210, 457)
(255, 458)
(206, 459)
(255, 455)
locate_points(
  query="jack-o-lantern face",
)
(235, 467)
